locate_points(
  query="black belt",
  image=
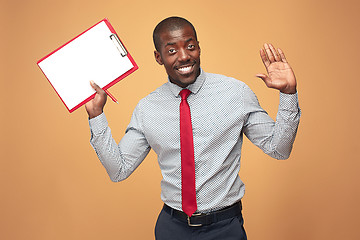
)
(200, 219)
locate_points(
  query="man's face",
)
(180, 54)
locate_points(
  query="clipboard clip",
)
(118, 44)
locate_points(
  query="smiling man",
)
(195, 123)
(179, 51)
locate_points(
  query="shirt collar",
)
(194, 87)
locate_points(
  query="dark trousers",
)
(169, 228)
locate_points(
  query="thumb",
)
(95, 106)
(265, 78)
(100, 93)
(96, 87)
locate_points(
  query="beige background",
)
(54, 187)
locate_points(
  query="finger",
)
(274, 52)
(266, 80)
(264, 58)
(269, 53)
(260, 75)
(282, 55)
(96, 87)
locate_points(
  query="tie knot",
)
(184, 93)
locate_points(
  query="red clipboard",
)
(96, 54)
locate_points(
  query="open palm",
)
(280, 75)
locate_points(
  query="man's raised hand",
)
(280, 75)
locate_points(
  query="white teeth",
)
(184, 69)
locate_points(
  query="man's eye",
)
(172, 50)
(191, 46)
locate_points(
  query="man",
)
(208, 206)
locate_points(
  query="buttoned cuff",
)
(98, 124)
(289, 101)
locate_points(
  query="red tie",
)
(188, 193)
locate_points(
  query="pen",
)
(111, 96)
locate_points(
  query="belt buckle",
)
(191, 224)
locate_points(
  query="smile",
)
(185, 69)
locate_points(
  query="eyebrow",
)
(173, 43)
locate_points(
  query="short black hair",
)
(170, 24)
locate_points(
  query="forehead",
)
(178, 35)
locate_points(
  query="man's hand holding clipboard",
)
(95, 106)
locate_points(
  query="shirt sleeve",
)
(119, 160)
(274, 138)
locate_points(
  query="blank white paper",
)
(91, 56)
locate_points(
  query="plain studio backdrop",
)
(54, 187)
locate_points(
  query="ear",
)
(158, 57)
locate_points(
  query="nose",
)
(183, 55)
